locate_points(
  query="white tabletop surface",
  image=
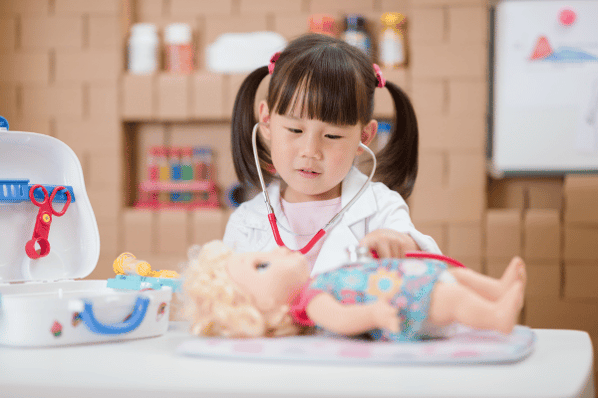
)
(560, 366)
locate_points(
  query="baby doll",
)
(271, 294)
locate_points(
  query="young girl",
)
(257, 294)
(319, 108)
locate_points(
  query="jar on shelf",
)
(322, 23)
(153, 170)
(143, 49)
(383, 134)
(392, 40)
(179, 49)
(356, 34)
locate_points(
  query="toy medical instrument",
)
(414, 254)
(331, 223)
(128, 264)
(18, 190)
(44, 219)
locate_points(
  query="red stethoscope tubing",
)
(431, 256)
(278, 239)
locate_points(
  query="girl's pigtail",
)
(397, 161)
(243, 120)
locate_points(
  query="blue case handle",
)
(129, 325)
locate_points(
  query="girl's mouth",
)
(308, 173)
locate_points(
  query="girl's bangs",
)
(321, 93)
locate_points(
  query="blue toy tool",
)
(136, 282)
(3, 124)
(14, 191)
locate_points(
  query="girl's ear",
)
(264, 114)
(368, 132)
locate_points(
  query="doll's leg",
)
(488, 287)
(452, 302)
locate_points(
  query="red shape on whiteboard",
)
(542, 49)
(567, 16)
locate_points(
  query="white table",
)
(560, 366)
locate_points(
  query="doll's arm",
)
(351, 319)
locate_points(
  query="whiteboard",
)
(544, 101)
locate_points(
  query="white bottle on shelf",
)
(143, 49)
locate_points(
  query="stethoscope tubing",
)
(333, 220)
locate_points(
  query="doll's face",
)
(272, 278)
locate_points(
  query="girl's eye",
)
(292, 130)
(334, 137)
(260, 267)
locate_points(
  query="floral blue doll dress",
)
(406, 283)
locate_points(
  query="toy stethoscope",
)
(337, 217)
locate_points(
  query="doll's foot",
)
(508, 308)
(515, 272)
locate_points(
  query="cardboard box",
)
(104, 32)
(42, 125)
(581, 197)
(78, 7)
(173, 96)
(139, 228)
(217, 25)
(103, 100)
(468, 25)
(8, 33)
(426, 25)
(291, 26)
(87, 135)
(207, 225)
(507, 194)
(65, 100)
(26, 67)
(88, 66)
(106, 203)
(24, 7)
(545, 193)
(543, 279)
(555, 313)
(468, 97)
(453, 132)
(200, 7)
(207, 96)
(429, 98)
(172, 232)
(427, 3)
(449, 60)
(503, 233)
(465, 240)
(438, 231)
(541, 235)
(581, 243)
(149, 10)
(8, 101)
(110, 238)
(139, 97)
(105, 170)
(45, 32)
(269, 6)
(581, 281)
(345, 7)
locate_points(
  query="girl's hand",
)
(386, 316)
(389, 243)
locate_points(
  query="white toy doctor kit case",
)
(48, 238)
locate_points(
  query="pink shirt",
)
(307, 218)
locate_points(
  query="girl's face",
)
(311, 156)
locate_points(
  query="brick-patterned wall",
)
(62, 73)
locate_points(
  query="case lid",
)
(73, 237)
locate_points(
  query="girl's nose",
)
(310, 147)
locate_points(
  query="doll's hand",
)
(389, 243)
(386, 316)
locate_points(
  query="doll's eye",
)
(260, 267)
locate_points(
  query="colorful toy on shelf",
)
(135, 274)
(3, 124)
(179, 177)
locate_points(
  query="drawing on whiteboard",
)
(543, 52)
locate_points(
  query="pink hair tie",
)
(273, 61)
(381, 79)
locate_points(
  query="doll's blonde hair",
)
(216, 306)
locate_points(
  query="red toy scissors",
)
(44, 219)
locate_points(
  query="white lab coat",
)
(248, 228)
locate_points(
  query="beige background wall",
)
(62, 73)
